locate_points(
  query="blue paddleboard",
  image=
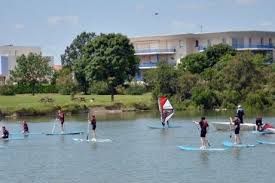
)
(92, 140)
(262, 132)
(188, 148)
(161, 127)
(65, 133)
(230, 144)
(265, 142)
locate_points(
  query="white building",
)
(8, 55)
(171, 48)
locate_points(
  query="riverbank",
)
(42, 104)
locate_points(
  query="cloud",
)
(57, 20)
(246, 2)
(19, 26)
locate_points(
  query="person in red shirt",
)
(61, 118)
(93, 123)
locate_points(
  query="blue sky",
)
(53, 24)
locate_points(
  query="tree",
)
(65, 82)
(32, 70)
(110, 58)
(72, 58)
(194, 63)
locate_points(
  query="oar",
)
(88, 131)
(231, 121)
(54, 125)
(196, 123)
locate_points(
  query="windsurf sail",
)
(165, 108)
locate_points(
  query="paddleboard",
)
(92, 140)
(161, 127)
(26, 134)
(230, 144)
(188, 148)
(13, 138)
(262, 132)
(65, 133)
(265, 142)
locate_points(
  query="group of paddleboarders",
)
(5, 132)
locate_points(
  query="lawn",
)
(26, 102)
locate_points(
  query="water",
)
(136, 154)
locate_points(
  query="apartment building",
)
(171, 48)
(8, 55)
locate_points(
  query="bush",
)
(7, 90)
(204, 97)
(258, 101)
(120, 90)
(136, 89)
(100, 88)
(45, 88)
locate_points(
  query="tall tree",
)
(72, 58)
(110, 58)
(31, 70)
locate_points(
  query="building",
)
(8, 55)
(171, 48)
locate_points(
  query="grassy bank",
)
(31, 105)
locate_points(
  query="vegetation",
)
(31, 70)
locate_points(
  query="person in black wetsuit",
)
(204, 127)
(5, 133)
(93, 123)
(237, 126)
(25, 127)
(240, 113)
(259, 123)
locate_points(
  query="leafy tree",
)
(72, 58)
(110, 58)
(32, 70)
(195, 63)
(65, 82)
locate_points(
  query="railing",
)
(254, 46)
(169, 50)
(152, 64)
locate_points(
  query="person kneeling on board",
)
(237, 126)
(25, 127)
(260, 126)
(93, 123)
(5, 133)
(204, 127)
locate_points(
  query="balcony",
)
(155, 51)
(254, 47)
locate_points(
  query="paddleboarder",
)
(240, 113)
(93, 123)
(61, 118)
(5, 133)
(204, 127)
(259, 123)
(25, 127)
(236, 122)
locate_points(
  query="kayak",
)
(92, 140)
(230, 144)
(224, 126)
(188, 148)
(265, 142)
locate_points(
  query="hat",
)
(239, 106)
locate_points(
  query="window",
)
(223, 41)
(270, 41)
(197, 43)
(181, 43)
(208, 42)
(250, 42)
(262, 41)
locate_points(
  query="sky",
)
(53, 24)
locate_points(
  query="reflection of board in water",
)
(230, 144)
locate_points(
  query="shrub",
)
(100, 88)
(204, 97)
(45, 88)
(258, 100)
(136, 89)
(7, 90)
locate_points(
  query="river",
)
(136, 154)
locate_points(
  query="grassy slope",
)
(28, 102)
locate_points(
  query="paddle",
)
(196, 123)
(54, 125)
(231, 122)
(87, 137)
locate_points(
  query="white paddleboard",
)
(188, 148)
(265, 142)
(92, 140)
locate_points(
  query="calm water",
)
(137, 153)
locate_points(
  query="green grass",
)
(29, 103)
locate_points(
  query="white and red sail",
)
(165, 108)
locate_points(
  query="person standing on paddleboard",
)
(240, 113)
(204, 127)
(165, 114)
(61, 118)
(236, 122)
(25, 127)
(93, 123)
(5, 133)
